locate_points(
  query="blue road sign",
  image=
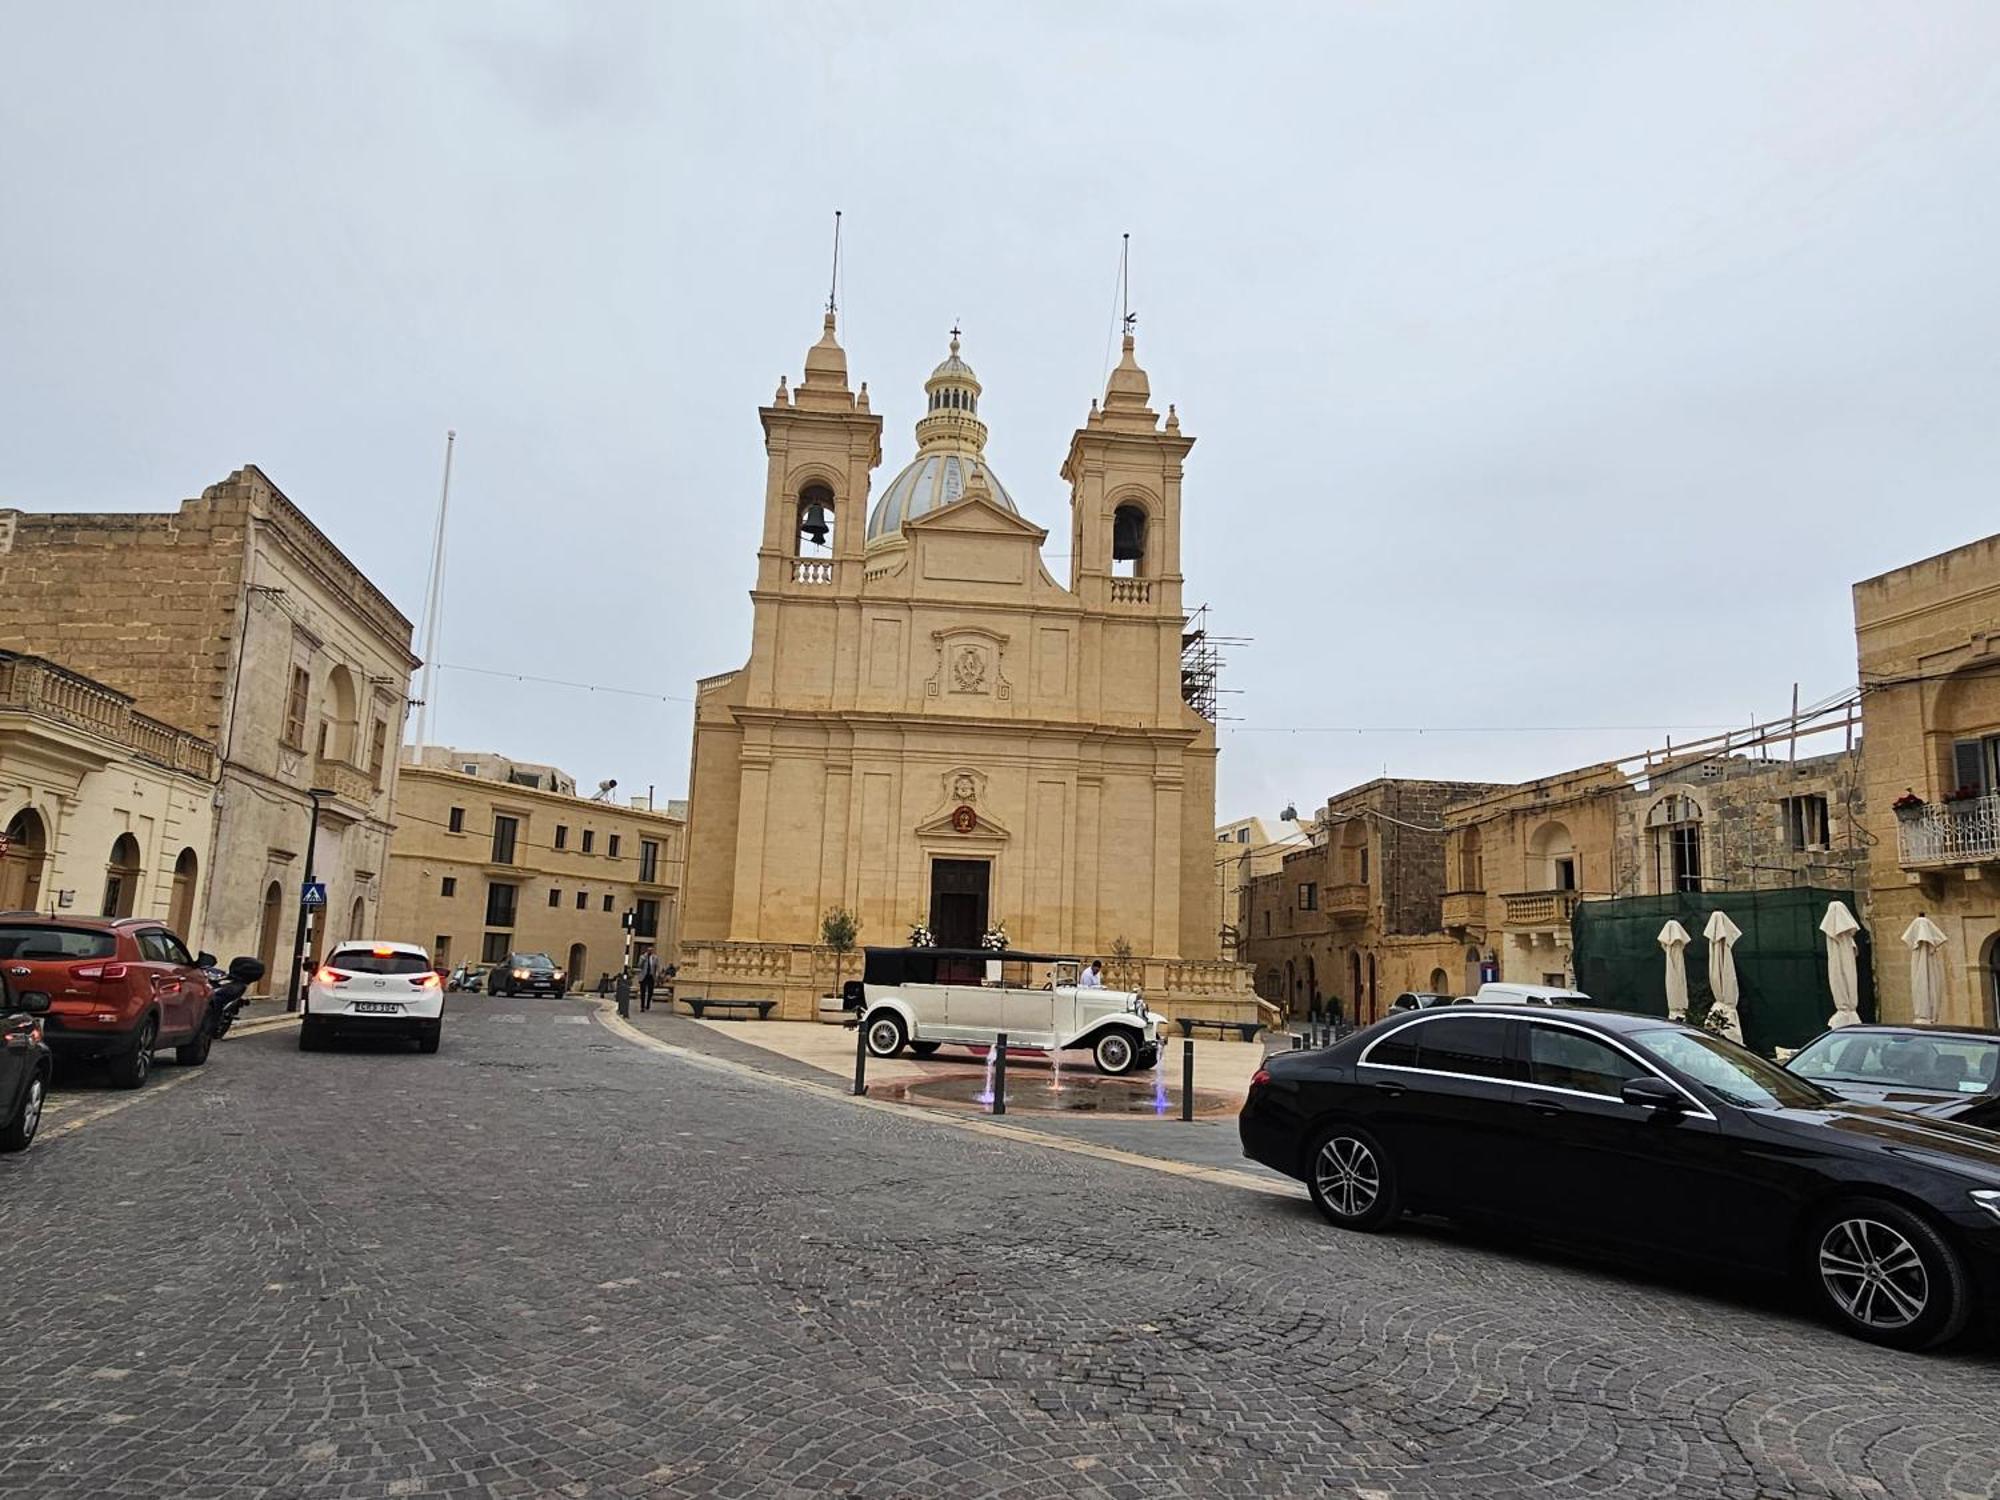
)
(314, 895)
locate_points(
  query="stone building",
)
(494, 856)
(236, 619)
(1357, 916)
(106, 811)
(1521, 858)
(930, 728)
(1928, 641)
(1245, 848)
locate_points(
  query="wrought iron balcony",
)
(1952, 833)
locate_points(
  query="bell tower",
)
(1124, 473)
(821, 442)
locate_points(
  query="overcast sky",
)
(1551, 366)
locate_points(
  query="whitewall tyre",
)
(884, 1034)
(1115, 1052)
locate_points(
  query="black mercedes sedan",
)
(1948, 1072)
(1641, 1136)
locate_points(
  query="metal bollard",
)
(860, 1060)
(1187, 1076)
(624, 996)
(1000, 1075)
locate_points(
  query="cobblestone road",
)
(550, 1262)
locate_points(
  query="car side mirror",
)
(204, 960)
(1653, 1093)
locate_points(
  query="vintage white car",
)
(927, 997)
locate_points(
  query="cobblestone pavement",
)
(551, 1262)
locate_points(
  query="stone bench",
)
(762, 1007)
(1247, 1030)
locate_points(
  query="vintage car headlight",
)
(1988, 1199)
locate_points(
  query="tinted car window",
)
(59, 943)
(1559, 1058)
(153, 948)
(176, 950)
(1474, 1045)
(367, 961)
(1397, 1050)
(1735, 1075)
(532, 961)
(1951, 1064)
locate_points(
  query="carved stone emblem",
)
(964, 788)
(971, 662)
(964, 819)
(968, 670)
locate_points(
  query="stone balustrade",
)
(813, 570)
(1131, 591)
(1966, 832)
(1463, 909)
(1537, 910)
(32, 685)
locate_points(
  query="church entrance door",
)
(959, 892)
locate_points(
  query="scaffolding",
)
(1202, 661)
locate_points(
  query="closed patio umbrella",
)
(1722, 935)
(1842, 979)
(1925, 940)
(1674, 939)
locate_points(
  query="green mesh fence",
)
(1780, 959)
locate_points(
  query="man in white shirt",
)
(1092, 978)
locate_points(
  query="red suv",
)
(118, 988)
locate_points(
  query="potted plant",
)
(1909, 807)
(1962, 794)
(920, 934)
(994, 939)
(838, 929)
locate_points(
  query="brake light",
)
(329, 975)
(101, 971)
(425, 981)
(1259, 1078)
(383, 952)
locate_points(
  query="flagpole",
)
(431, 600)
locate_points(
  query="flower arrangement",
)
(1962, 794)
(995, 937)
(1908, 805)
(921, 935)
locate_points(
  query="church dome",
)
(951, 448)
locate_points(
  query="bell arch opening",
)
(1128, 541)
(814, 533)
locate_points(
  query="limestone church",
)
(930, 728)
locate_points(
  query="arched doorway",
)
(1354, 986)
(1291, 989)
(357, 921)
(1439, 982)
(1990, 983)
(578, 970)
(1552, 857)
(340, 729)
(1373, 1013)
(121, 878)
(1312, 985)
(268, 932)
(21, 865)
(180, 906)
(1471, 971)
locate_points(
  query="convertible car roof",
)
(1004, 955)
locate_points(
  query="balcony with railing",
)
(1346, 902)
(348, 783)
(1463, 909)
(41, 688)
(1539, 911)
(1966, 832)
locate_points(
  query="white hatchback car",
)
(374, 989)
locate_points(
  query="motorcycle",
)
(226, 997)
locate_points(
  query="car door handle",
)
(1392, 1089)
(1546, 1107)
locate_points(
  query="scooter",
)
(226, 998)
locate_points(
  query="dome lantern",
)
(951, 450)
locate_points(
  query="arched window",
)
(1471, 860)
(340, 729)
(815, 518)
(21, 862)
(180, 906)
(1673, 832)
(1553, 859)
(121, 877)
(1128, 541)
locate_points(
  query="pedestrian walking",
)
(649, 973)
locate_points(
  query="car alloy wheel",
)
(17, 1133)
(1873, 1273)
(1348, 1176)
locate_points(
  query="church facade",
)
(932, 730)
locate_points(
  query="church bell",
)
(1128, 535)
(812, 523)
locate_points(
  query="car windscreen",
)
(1733, 1074)
(377, 961)
(59, 944)
(535, 961)
(1945, 1063)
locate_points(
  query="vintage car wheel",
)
(885, 1034)
(1115, 1051)
(925, 1049)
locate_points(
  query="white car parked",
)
(374, 989)
(926, 997)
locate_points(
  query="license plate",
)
(377, 1008)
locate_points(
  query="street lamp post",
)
(299, 935)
